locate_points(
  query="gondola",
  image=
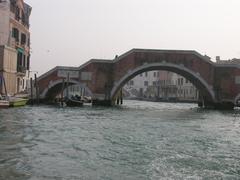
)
(73, 102)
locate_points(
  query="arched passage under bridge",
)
(56, 87)
(204, 89)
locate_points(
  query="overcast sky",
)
(70, 32)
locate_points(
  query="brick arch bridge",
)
(218, 84)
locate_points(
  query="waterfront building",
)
(14, 45)
(185, 90)
(138, 86)
(166, 88)
(162, 85)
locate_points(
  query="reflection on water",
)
(140, 140)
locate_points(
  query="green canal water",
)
(137, 141)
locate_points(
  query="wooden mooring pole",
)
(63, 82)
(118, 100)
(121, 96)
(37, 89)
(62, 98)
(31, 84)
(68, 78)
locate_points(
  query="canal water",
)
(137, 141)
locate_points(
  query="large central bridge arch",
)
(195, 78)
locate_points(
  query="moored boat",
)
(17, 102)
(87, 99)
(73, 102)
(4, 103)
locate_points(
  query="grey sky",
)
(70, 32)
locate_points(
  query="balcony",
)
(21, 69)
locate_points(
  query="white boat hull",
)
(4, 104)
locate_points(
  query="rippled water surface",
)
(140, 140)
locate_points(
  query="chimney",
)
(218, 58)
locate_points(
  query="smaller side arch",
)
(58, 82)
(200, 82)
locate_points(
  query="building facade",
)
(14, 45)
(161, 85)
(138, 86)
(185, 90)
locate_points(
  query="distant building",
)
(186, 91)
(167, 89)
(14, 45)
(138, 86)
(230, 61)
(163, 85)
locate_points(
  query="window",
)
(24, 61)
(23, 18)
(12, 7)
(28, 42)
(131, 82)
(28, 62)
(23, 39)
(154, 74)
(141, 91)
(186, 81)
(17, 13)
(146, 74)
(181, 81)
(141, 75)
(158, 74)
(15, 34)
(145, 83)
(154, 83)
(19, 59)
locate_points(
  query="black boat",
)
(73, 102)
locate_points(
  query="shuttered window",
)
(15, 34)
